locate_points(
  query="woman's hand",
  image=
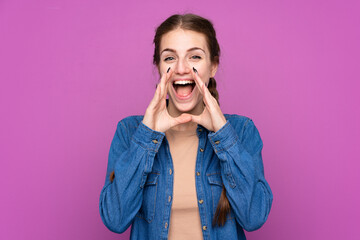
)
(156, 116)
(212, 117)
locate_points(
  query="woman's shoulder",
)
(241, 123)
(247, 131)
(130, 123)
(132, 120)
(237, 120)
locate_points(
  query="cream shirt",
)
(185, 218)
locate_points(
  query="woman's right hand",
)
(156, 116)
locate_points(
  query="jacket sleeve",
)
(239, 150)
(131, 158)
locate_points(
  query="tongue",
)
(184, 90)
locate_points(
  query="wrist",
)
(220, 124)
(147, 123)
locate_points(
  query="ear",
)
(214, 67)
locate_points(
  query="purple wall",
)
(70, 70)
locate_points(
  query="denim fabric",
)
(141, 193)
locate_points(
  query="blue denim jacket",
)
(141, 193)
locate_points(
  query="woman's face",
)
(182, 50)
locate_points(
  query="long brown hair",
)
(201, 25)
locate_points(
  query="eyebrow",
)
(189, 50)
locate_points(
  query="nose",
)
(182, 67)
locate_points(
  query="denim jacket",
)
(141, 193)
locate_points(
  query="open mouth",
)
(183, 88)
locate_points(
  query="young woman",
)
(185, 170)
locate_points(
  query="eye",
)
(196, 57)
(168, 59)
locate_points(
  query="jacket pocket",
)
(147, 210)
(216, 186)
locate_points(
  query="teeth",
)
(183, 82)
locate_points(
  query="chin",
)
(186, 107)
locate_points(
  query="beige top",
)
(185, 218)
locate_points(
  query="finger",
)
(155, 99)
(197, 119)
(198, 81)
(161, 84)
(183, 118)
(207, 97)
(166, 83)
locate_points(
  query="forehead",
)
(182, 40)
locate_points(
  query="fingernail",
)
(168, 70)
(195, 71)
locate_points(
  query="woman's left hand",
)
(212, 117)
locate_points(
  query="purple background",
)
(70, 70)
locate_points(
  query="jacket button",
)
(170, 171)
(200, 129)
(166, 224)
(204, 227)
(198, 173)
(155, 141)
(201, 149)
(169, 198)
(201, 201)
(217, 142)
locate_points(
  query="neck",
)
(189, 126)
(175, 112)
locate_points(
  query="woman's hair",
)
(201, 25)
